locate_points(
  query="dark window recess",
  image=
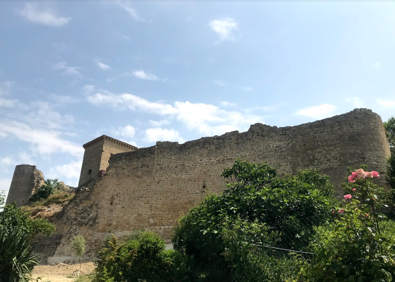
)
(204, 183)
(112, 200)
(90, 171)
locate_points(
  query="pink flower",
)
(360, 173)
(341, 211)
(347, 197)
(351, 178)
(375, 174)
(333, 212)
(354, 174)
(367, 215)
(354, 189)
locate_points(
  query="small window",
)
(90, 171)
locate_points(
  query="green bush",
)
(12, 217)
(16, 233)
(46, 190)
(142, 257)
(359, 245)
(258, 201)
(16, 256)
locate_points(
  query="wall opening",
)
(90, 171)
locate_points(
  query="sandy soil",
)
(62, 272)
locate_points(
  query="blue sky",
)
(176, 71)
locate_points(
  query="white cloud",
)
(220, 82)
(356, 101)
(127, 131)
(162, 134)
(318, 112)
(158, 123)
(225, 28)
(62, 99)
(135, 15)
(205, 118)
(376, 65)
(102, 66)
(24, 158)
(67, 70)
(43, 142)
(386, 103)
(42, 15)
(131, 102)
(88, 89)
(5, 88)
(7, 103)
(42, 115)
(6, 161)
(246, 88)
(142, 75)
(227, 104)
(70, 172)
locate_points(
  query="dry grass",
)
(55, 199)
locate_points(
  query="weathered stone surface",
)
(150, 188)
(26, 180)
(96, 156)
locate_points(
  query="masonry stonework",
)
(24, 183)
(96, 156)
(150, 188)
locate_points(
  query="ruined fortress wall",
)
(24, 182)
(91, 163)
(111, 148)
(151, 188)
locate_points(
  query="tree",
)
(46, 190)
(16, 232)
(220, 235)
(78, 246)
(390, 131)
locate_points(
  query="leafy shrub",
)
(391, 171)
(359, 245)
(142, 257)
(257, 200)
(50, 186)
(16, 232)
(13, 217)
(78, 246)
(16, 256)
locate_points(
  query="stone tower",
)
(24, 183)
(96, 156)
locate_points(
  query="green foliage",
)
(391, 171)
(2, 199)
(16, 232)
(141, 257)
(78, 246)
(46, 190)
(390, 131)
(257, 200)
(16, 258)
(12, 217)
(359, 245)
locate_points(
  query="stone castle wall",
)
(96, 156)
(25, 181)
(150, 188)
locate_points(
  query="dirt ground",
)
(62, 272)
